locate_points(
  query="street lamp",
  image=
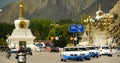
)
(107, 18)
(52, 38)
(56, 38)
(89, 20)
(0, 10)
(71, 38)
(75, 40)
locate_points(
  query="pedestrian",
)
(118, 51)
(8, 55)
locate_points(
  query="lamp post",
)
(54, 37)
(89, 21)
(107, 18)
(75, 40)
(8, 40)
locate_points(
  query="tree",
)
(3, 42)
(65, 21)
(37, 34)
(40, 27)
(61, 31)
(81, 20)
(5, 29)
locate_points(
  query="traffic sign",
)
(76, 28)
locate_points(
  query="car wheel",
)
(64, 60)
(88, 59)
(30, 53)
(97, 56)
(117, 55)
(61, 59)
(93, 56)
(77, 60)
(81, 59)
(110, 55)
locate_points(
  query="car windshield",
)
(71, 49)
(82, 49)
(13, 48)
(105, 48)
(91, 48)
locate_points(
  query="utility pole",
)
(107, 18)
(89, 21)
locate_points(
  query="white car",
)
(84, 51)
(70, 53)
(105, 50)
(13, 50)
(93, 51)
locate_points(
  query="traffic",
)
(67, 54)
(82, 53)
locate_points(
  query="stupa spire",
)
(99, 7)
(21, 11)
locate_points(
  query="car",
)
(105, 50)
(70, 53)
(13, 50)
(28, 50)
(39, 48)
(54, 49)
(3, 48)
(93, 51)
(84, 52)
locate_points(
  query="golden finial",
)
(21, 11)
(99, 7)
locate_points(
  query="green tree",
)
(61, 31)
(81, 20)
(5, 29)
(37, 34)
(3, 42)
(65, 21)
(40, 27)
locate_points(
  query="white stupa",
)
(99, 13)
(21, 35)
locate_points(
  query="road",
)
(46, 57)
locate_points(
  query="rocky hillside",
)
(115, 25)
(55, 9)
(98, 36)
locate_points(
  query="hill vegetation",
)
(42, 13)
(55, 9)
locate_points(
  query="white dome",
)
(99, 13)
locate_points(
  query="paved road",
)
(46, 57)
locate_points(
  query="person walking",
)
(8, 55)
(118, 51)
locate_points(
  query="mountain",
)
(3, 3)
(98, 36)
(55, 9)
(115, 25)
